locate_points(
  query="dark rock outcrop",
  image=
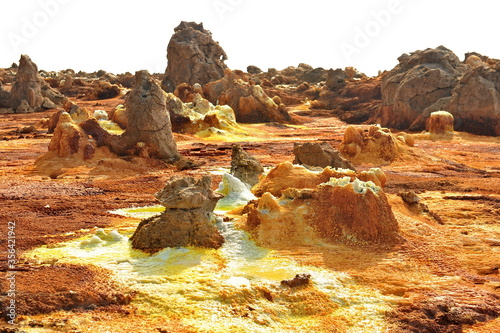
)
(187, 219)
(421, 83)
(244, 166)
(193, 57)
(319, 155)
(30, 87)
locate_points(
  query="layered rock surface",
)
(193, 57)
(187, 220)
(308, 211)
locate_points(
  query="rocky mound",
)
(70, 139)
(475, 102)
(193, 57)
(4, 97)
(200, 117)
(344, 208)
(422, 82)
(374, 145)
(187, 220)
(244, 166)
(249, 101)
(319, 155)
(286, 175)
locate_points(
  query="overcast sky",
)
(120, 36)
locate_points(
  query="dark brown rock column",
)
(27, 85)
(148, 119)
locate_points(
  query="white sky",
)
(120, 36)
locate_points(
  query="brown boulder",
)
(319, 155)
(193, 57)
(188, 218)
(249, 102)
(244, 166)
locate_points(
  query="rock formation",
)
(24, 107)
(290, 75)
(4, 97)
(193, 57)
(286, 175)
(375, 145)
(187, 220)
(441, 123)
(353, 100)
(475, 103)
(70, 139)
(27, 85)
(344, 208)
(421, 83)
(30, 92)
(319, 155)
(148, 119)
(249, 102)
(103, 90)
(201, 118)
(119, 116)
(336, 79)
(244, 166)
